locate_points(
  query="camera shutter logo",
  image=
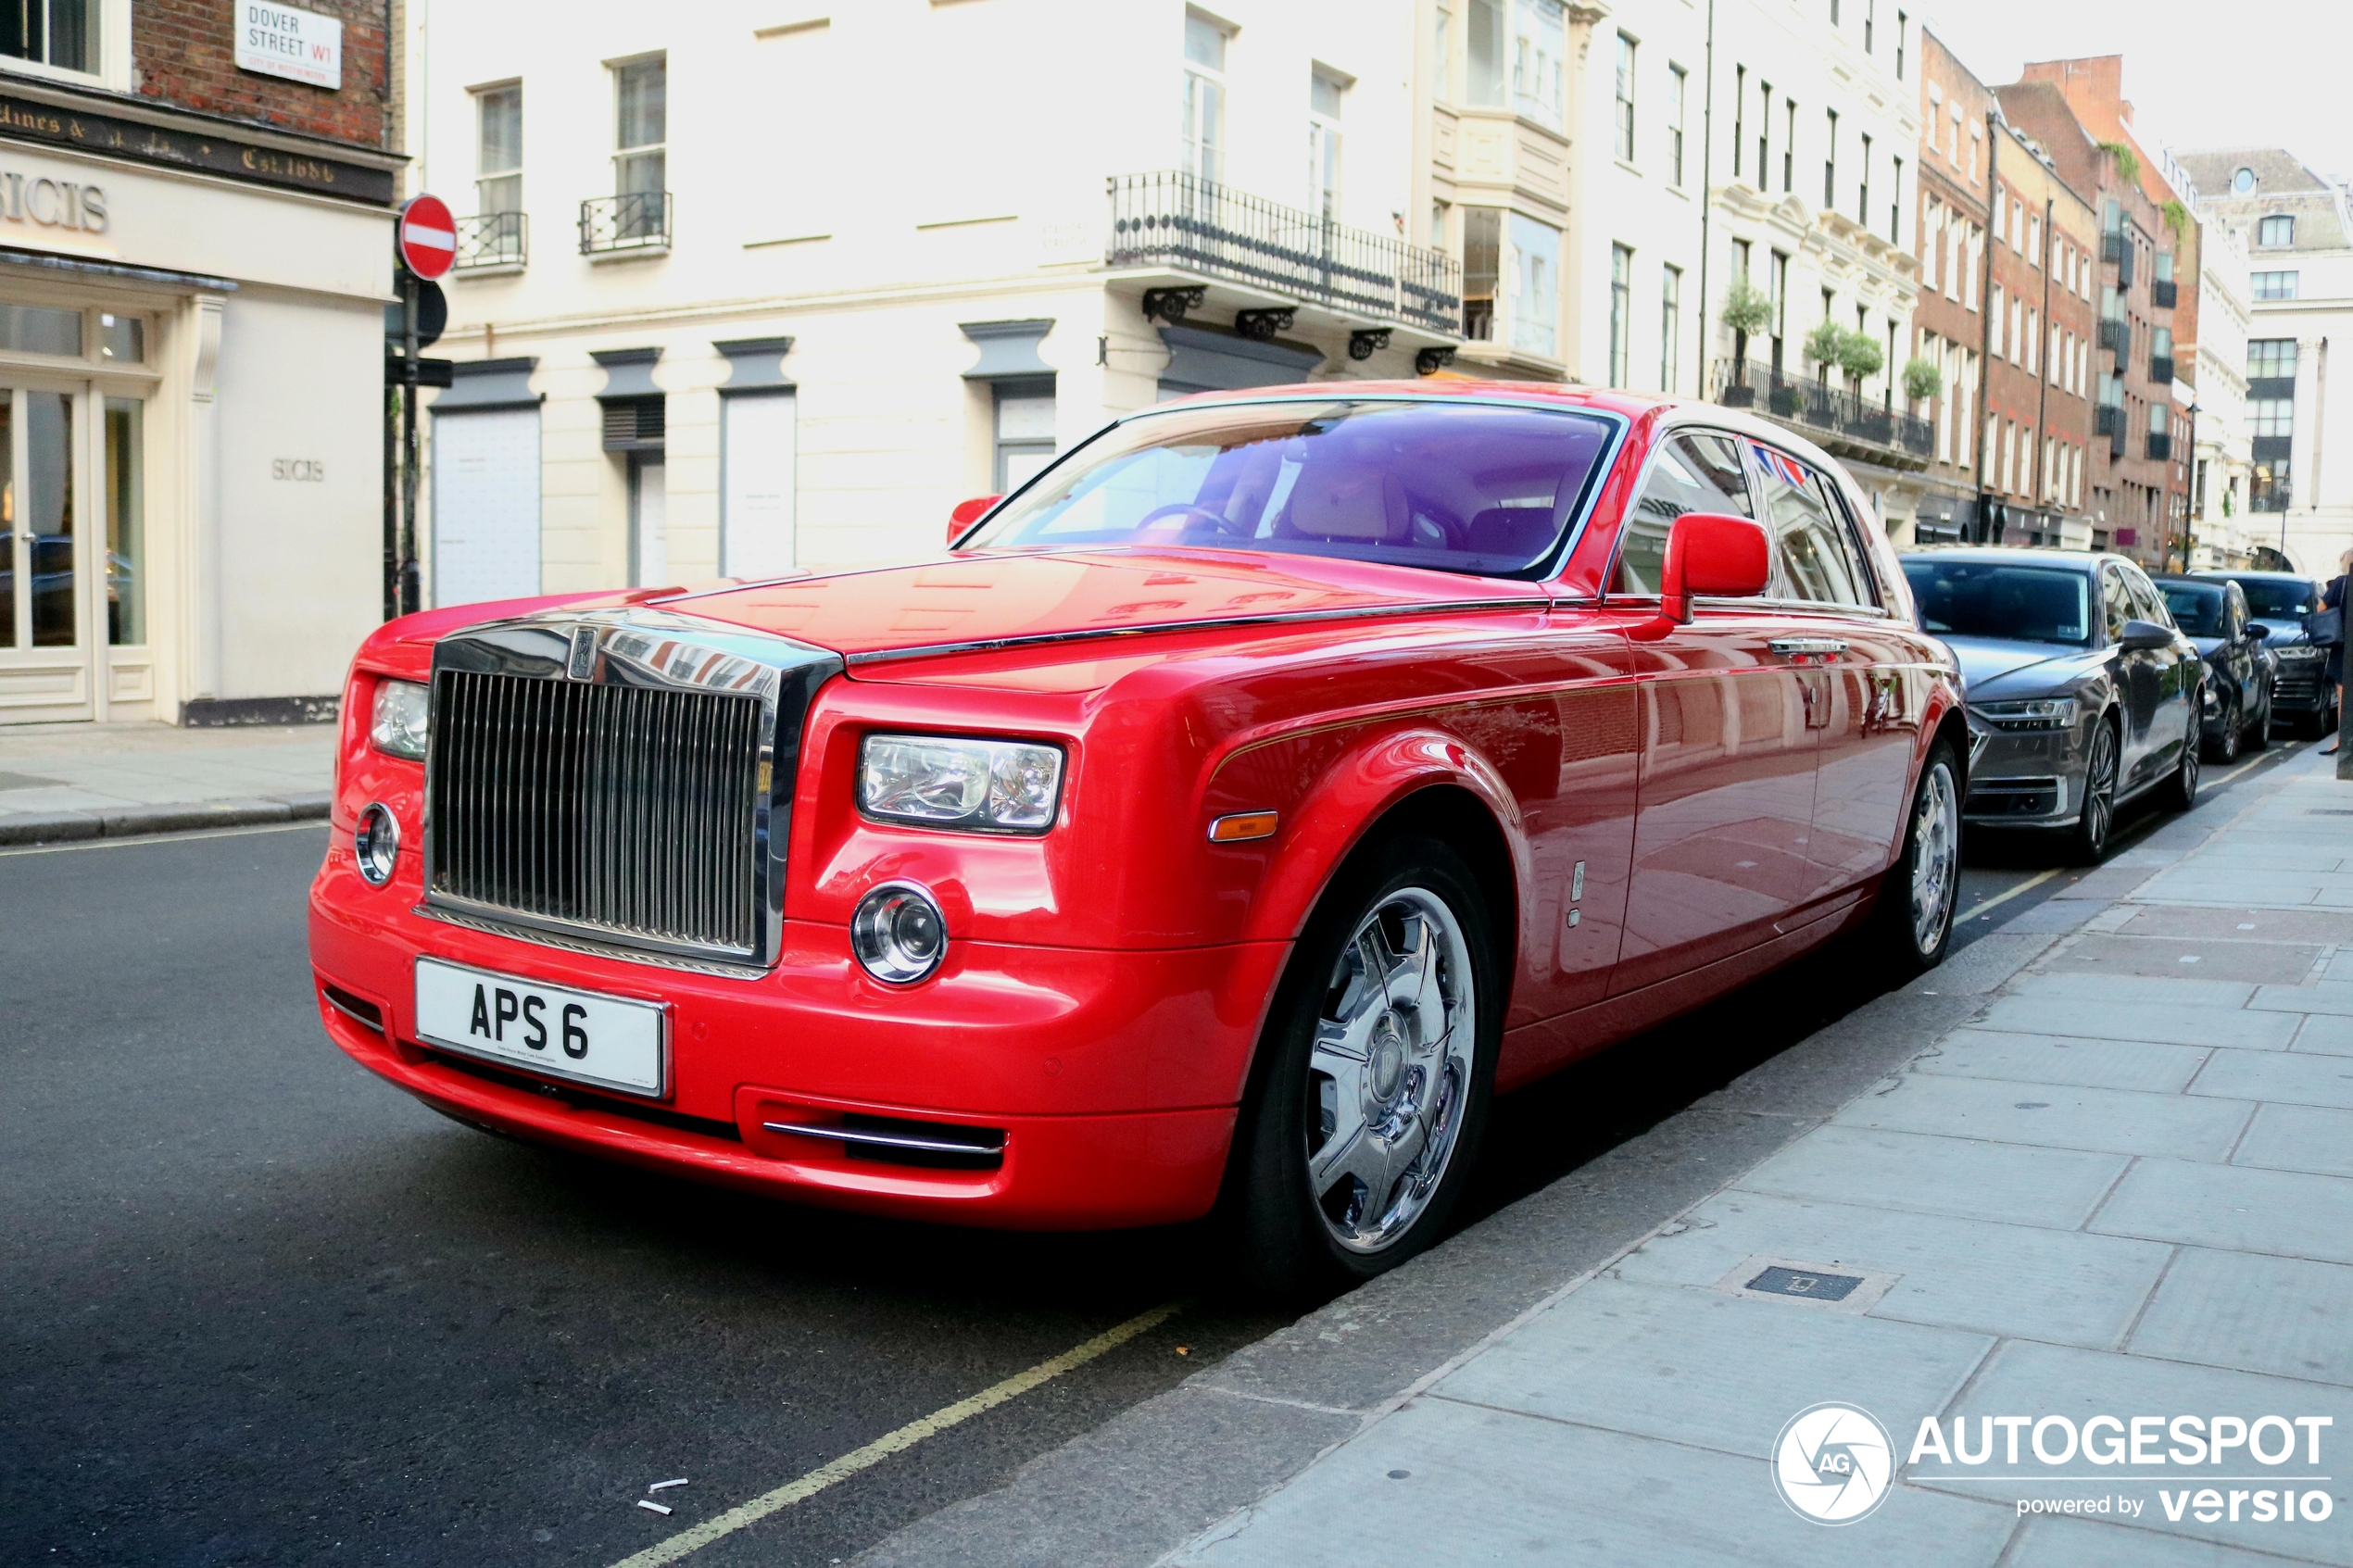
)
(1833, 1463)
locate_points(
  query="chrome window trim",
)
(665, 650)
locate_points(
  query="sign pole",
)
(392, 501)
(410, 599)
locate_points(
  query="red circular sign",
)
(428, 236)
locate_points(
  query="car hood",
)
(996, 599)
(1994, 669)
(2283, 633)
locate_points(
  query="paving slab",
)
(2325, 1034)
(2023, 1376)
(1966, 1178)
(1969, 1274)
(2241, 1208)
(2333, 998)
(2159, 956)
(2172, 992)
(2299, 1138)
(1608, 1499)
(2053, 1116)
(2116, 1020)
(2044, 1058)
(2093, 1543)
(2280, 1316)
(1696, 1367)
(2285, 1077)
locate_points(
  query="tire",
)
(1317, 1204)
(2178, 792)
(2088, 841)
(2225, 747)
(1912, 921)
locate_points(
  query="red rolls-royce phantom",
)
(1214, 826)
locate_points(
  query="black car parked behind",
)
(2239, 668)
(2279, 601)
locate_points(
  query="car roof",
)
(2079, 560)
(2236, 575)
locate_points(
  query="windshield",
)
(2018, 604)
(2197, 611)
(1459, 486)
(2279, 598)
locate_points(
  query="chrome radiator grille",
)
(621, 808)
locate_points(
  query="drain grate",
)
(1779, 1281)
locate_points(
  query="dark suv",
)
(2279, 601)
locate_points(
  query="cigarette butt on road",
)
(660, 1485)
(1184, 1350)
(647, 1502)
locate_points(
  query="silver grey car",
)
(2082, 693)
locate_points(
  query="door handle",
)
(1802, 648)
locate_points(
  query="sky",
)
(2251, 73)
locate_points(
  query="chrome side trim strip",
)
(1538, 601)
(839, 1134)
(373, 1025)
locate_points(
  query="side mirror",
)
(959, 521)
(2257, 631)
(2142, 636)
(1712, 553)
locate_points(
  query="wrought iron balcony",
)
(2160, 446)
(2162, 369)
(632, 220)
(2112, 249)
(2164, 292)
(493, 239)
(2116, 335)
(1839, 419)
(1174, 219)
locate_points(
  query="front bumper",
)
(2026, 778)
(1109, 1078)
(2301, 686)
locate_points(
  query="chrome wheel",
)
(1390, 1070)
(2099, 790)
(1936, 856)
(2233, 735)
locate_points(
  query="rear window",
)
(1459, 486)
(2273, 598)
(2018, 604)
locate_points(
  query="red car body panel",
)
(1673, 808)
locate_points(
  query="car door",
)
(2177, 672)
(1726, 774)
(1865, 688)
(2138, 677)
(2238, 656)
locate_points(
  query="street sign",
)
(428, 236)
(425, 372)
(433, 317)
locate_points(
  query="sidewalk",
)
(61, 782)
(2125, 1187)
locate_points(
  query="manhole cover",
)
(1779, 1281)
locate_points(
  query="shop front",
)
(191, 348)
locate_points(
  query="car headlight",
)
(397, 725)
(2301, 650)
(951, 782)
(2035, 714)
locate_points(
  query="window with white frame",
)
(1489, 43)
(1621, 310)
(1623, 122)
(63, 33)
(1535, 297)
(1441, 49)
(2277, 229)
(1204, 120)
(641, 97)
(1540, 42)
(2273, 285)
(1325, 91)
(498, 149)
(1677, 81)
(1670, 326)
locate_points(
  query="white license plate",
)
(608, 1041)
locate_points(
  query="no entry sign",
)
(428, 236)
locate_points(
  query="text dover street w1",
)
(280, 41)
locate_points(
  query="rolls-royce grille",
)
(626, 808)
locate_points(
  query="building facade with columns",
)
(713, 316)
(2298, 237)
(196, 253)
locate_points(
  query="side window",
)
(2147, 603)
(2117, 600)
(1694, 473)
(2234, 611)
(1813, 557)
(1844, 531)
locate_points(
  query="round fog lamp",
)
(898, 933)
(375, 842)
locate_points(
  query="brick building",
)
(2138, 490)
(2033, 445)
(1948, 322)
(195, 259)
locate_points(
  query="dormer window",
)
(2243, 181)
(2277, 229)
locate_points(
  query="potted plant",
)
(1824, 346)
(1860, 358)
(1923, 379)
(1746, 311)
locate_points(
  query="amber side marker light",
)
(1242, 825)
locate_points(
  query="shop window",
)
(1482, 269)
(35, 328)
(53, 32)
(126, 525)
(1024, 431)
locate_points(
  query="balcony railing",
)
(632, 220)
(2112, 249)
(493, 239)
(2108, 418)
(2116, 335)
(1827, 413)
(2160, 446)
(1175, 220)
(2164, 292)
(2162, 369)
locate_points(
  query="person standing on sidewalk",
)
(2332, 598)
